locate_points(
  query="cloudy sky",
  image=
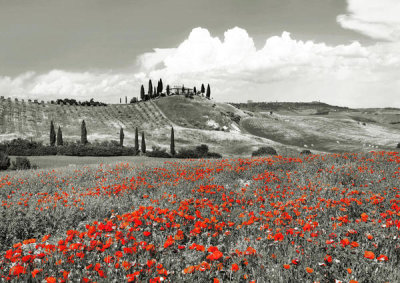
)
(343, 52)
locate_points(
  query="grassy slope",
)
(199, 120)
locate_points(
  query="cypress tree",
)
(121, 137)
(208, 92)
(183, 89)
(155, 92)
(136, 140)
(161, 86)
(172, 147)
(150, 88)
(59, 137)
(83, 133)
(203, 90)
(142, 92)
(168, 90)
(126, 100)
(52, 134)
(143, 144)
(195, 90)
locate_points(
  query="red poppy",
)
(369, 255)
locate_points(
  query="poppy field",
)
(316, 218)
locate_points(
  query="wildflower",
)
(369, 255)
(235, 267)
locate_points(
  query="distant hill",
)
(230, 129)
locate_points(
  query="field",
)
(318, 218)
(57, 161)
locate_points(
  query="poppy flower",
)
(286, 266)
(235, 267)
(382, 258)
(369, 255)
(309, 270)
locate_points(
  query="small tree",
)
(168, 90)
(172, 147)
(142, 92)
(83, 133)
(155, 93)
(150, 88)
(52, 134)
(136, 140)
(60, 141)
(161, 86)
(203, 89)
(143, 144)
(121, 137)
(194, 90)
(4, 161)
(208, 92)
(183, 89)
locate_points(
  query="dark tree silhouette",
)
(126, 100)
(142, 92)
(143, 144)
(60, 141)
(83, 133)
(194, 90)
(121, 137)
(150, 88)
(183, 89)
(120, 100)
(208, 92)
(161, 86)
(136, 140)
(168, 90)
(172, 146)
(203, 89)
(52, 134)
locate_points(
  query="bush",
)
(305, 152)
(22, 147)
(158, 152)
(4, 161)
(21, 163)
(265, 150)
(95, 150)
(200, 151)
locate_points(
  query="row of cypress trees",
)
(55, 138)
(59, 139)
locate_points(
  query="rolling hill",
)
(232, 130)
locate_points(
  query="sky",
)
(343, 52)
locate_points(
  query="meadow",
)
(315, 218)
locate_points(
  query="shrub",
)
(200, 151)
(305, 152)
(265, 150)
(158, 152)
(4, 161)
(21, 163)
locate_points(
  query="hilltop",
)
(231, 129)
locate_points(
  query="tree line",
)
(154, 92)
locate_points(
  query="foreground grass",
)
(317, 218)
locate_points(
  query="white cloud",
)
(284, 69)
(56, 84)
(379, 19)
